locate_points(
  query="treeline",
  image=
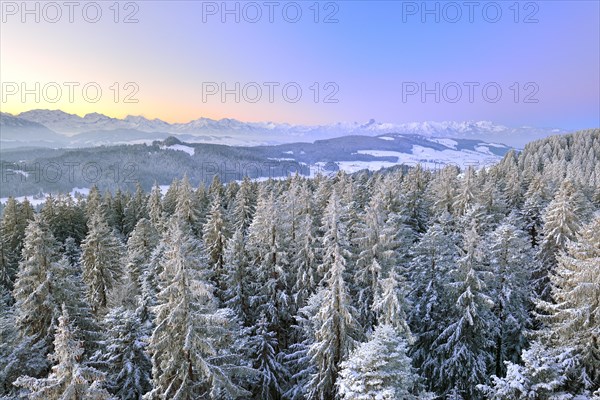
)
(391, 285)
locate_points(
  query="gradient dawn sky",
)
(352, 60)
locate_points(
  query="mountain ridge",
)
(259, 133)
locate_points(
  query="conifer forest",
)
(406, 283)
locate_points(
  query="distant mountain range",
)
(55, 128)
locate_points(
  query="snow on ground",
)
(445, 142)
(483, 149)
(41, 198)
(430, 158)
(181, 147)
(354, 166)
(386, 138)
(281, 159)
(288, 152)
(81, 191)
(17, 171)
(494, 145)
(34, 200)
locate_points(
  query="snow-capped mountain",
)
(234, 132)
(21, 132)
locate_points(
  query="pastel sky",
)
(369, 60)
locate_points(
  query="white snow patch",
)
(386, 138)
(18, 171)
(288, 152)
(429, 158)
(483, 149)
(181, 147)
(445, 142)
(81, 191)
(41, 198)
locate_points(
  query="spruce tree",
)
(33, 289)
(141, 244)
(562, 220)
(215, 239)
(510, 261)
(189, 344)
(124, 356)
(271, 373)
(573, 314)
(464, 348)
(378, 369)
(101, 259)
(335, 323)
(239, 288)
(69, 379)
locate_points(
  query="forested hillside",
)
(399, 284)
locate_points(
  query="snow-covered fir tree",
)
(215, 234)
(243, 206)
(33, 288)
(186, 207)
(124, 355)
(510, 261)
(562, 220)
(335, 322)
(69, 379)
(155, 207)
(189, 346)
(101, 259)
(572, 316)
(239, 288)
(140, 245)
(543, 375)
(271, 372)
(390, 305)
(378, 369)
(15, 218)
(433, 258)
(464, 348)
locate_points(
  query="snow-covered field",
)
(427, 157)
(40, 199)
(181, 147)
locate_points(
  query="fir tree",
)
(15, 218)
(464, 346)
(69, 379)
(124, 356)
(33, 289)
(378, 369)
(239, 288)
(266, 361)
(573, 315)
(562, 220)
(215, 240)
(101, 262)
(510, 261)
(433, 258)
(188, 345)
(244, 206)
(335, 322)
(141, 244)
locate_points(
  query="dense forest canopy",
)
(399, 284)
